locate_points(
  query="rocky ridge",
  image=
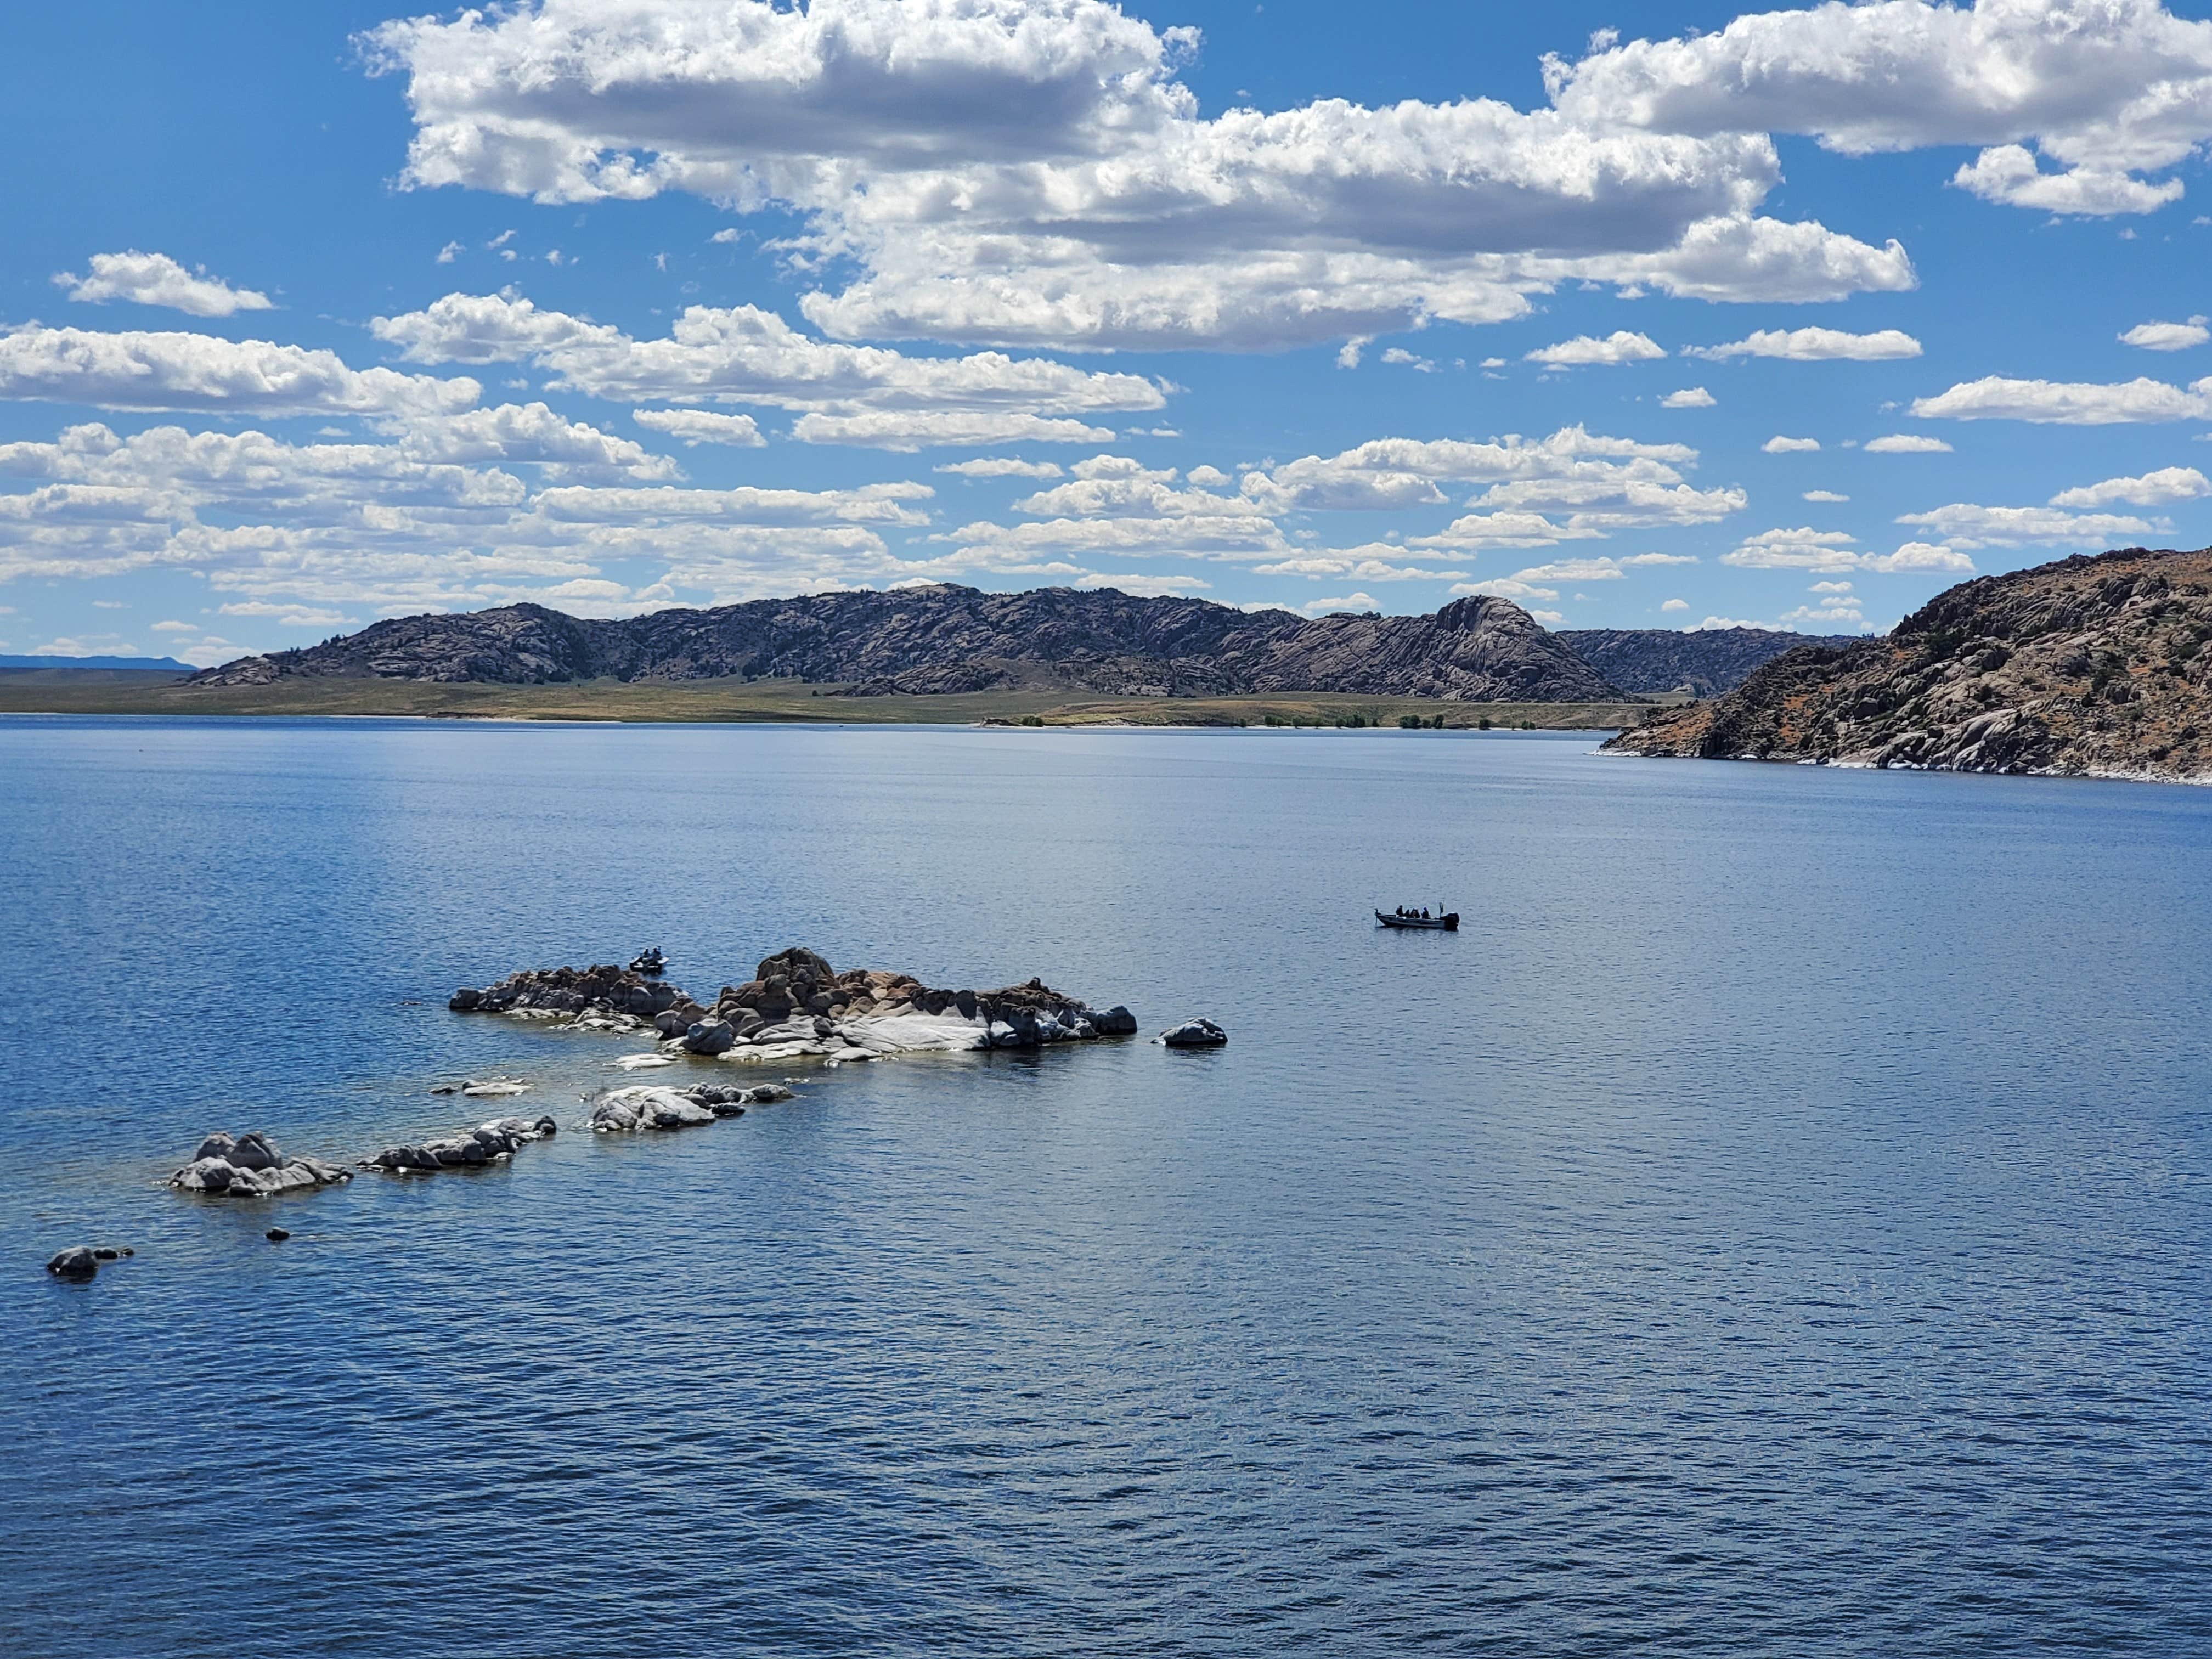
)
(1706, 661)
(950, 638)
(2087, 666)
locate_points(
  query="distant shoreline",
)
(39, 692)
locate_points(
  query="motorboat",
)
(651, 964)
(1446, 923)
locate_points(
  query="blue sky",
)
(314, 316)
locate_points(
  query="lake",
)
(1777, 1223)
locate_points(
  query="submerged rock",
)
(473, 1149)
(276, 1235)
(1194, 1034)
(252, 1166)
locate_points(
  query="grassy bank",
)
(49, 692)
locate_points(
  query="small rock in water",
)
(250, 1166)
(78, 1261)
(477, 1088)
(276, 1235)
(1194, 1034)
(107, 1253)
(473, 1149)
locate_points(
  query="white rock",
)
(624, 1110)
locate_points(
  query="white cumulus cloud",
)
(1694, 397)
(155, 279)
(1806, 345)
(744, 355)
(162, 371)
(1779, 445)
(695, 426)
(2105, 90)
(2168, 483)
(1620, 346)
(1005, 466)
(2061, 403)
(1906, 443)
(1963, 524)
(2168, 336)
(1033, 173)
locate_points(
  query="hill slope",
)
(1646, 661)
(2089, 665)
(950, 639)
(101, 664)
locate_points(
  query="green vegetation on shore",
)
(50, 692)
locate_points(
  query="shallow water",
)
(1775, 1223)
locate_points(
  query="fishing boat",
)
(1448, 922)
(651, 964)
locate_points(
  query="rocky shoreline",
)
(2095, 667)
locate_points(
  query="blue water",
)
(1777, 1223)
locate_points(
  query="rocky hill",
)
(2088, 666)
(1645, 661)
(947, 638)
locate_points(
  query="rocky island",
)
(2091, 666)
(796, 1007)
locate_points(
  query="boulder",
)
(464, 1000)
(254, 1151)
(204, 1174)
(1116, 1021)
(106, 1253)
(77, 1262)
(623, 1111)
(796, 962)
(276, 1235)
(1194, 1034)
(674, 1022)
(215, 1145)
(710, 1036)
